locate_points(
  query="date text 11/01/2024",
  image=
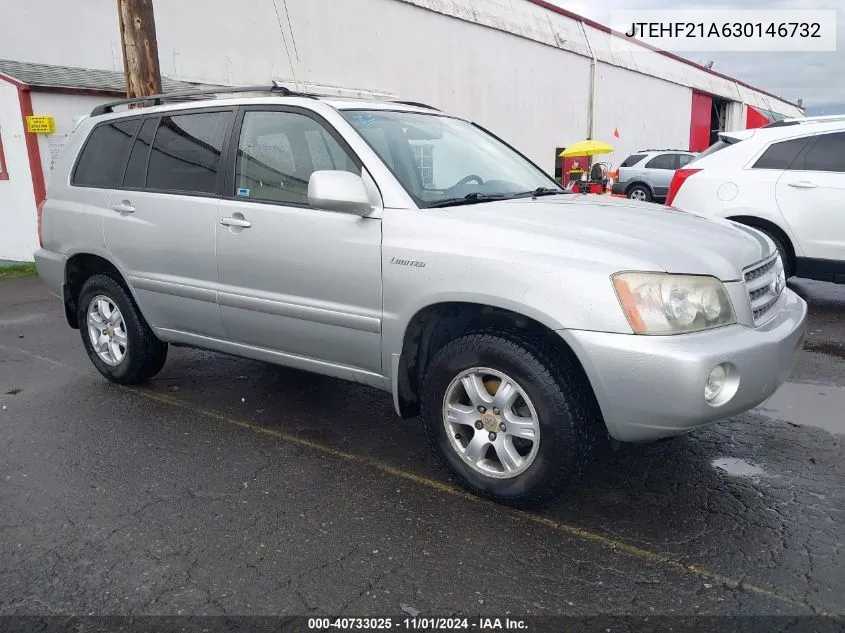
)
(419, 624)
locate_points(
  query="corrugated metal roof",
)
(50, 76)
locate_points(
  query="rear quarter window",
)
(632, 160)
(104, 155)
(781, 155)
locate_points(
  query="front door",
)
(293, 278)
(160, 224)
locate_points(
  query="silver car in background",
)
(397, 246)
(647, 174)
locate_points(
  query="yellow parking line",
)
(606, 541)
(572, 530)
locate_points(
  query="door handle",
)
(802, 184)
(123, 207)
(244, 224)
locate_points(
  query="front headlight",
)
(660, 303)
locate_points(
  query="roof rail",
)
(827, 118)
(669, 149)
(193, 94)
(418, 105)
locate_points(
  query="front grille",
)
(765, 283)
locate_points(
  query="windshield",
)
(443, 161)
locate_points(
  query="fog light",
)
(715, 383)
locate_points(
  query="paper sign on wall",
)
(41, 124)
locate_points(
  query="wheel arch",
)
(79, 268)
(767, 225)
(434, 325)
(641, 183)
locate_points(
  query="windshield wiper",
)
(471, 198)
(540, 191)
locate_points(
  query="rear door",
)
(811, 195)
(161, 226)
(658, 173)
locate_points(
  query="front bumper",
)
(651, 387)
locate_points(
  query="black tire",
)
(145, 353)
(646, 192)
(785, 255)
(568, 417)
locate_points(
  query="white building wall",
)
(19, 233)
(532, 96)
(246, 41)
(648, 112)
(19, 236)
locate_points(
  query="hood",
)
(639, 236)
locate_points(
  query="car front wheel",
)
(512, 423)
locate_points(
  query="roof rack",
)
(663, 150)
(418, 105)
(828, 118)
(159, 99)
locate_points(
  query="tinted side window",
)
(104, 155)
(632, 160)
(136, 170)
(278, 152)
(827, 153)
(684, 159)
(780, 155)
(186, 152)
(664, 161)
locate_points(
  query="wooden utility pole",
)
(140, 48)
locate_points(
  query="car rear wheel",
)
(513, 424)
(640, 193)
(116, 337)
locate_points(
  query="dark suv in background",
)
(646, 174)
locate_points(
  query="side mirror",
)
(339, 191)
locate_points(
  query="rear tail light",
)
(40, 233)
(678, 179)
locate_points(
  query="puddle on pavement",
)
(822, 406)
(739, 467)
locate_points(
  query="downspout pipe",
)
(592, 110)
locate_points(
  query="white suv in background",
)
(786, 179)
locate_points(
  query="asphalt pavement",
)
(227, 486)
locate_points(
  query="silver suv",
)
(647, 174)
(400, 247)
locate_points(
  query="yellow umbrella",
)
(587, 148)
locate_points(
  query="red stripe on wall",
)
(755, 119)
(699, 130)
(32, 151)
(4, 168)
